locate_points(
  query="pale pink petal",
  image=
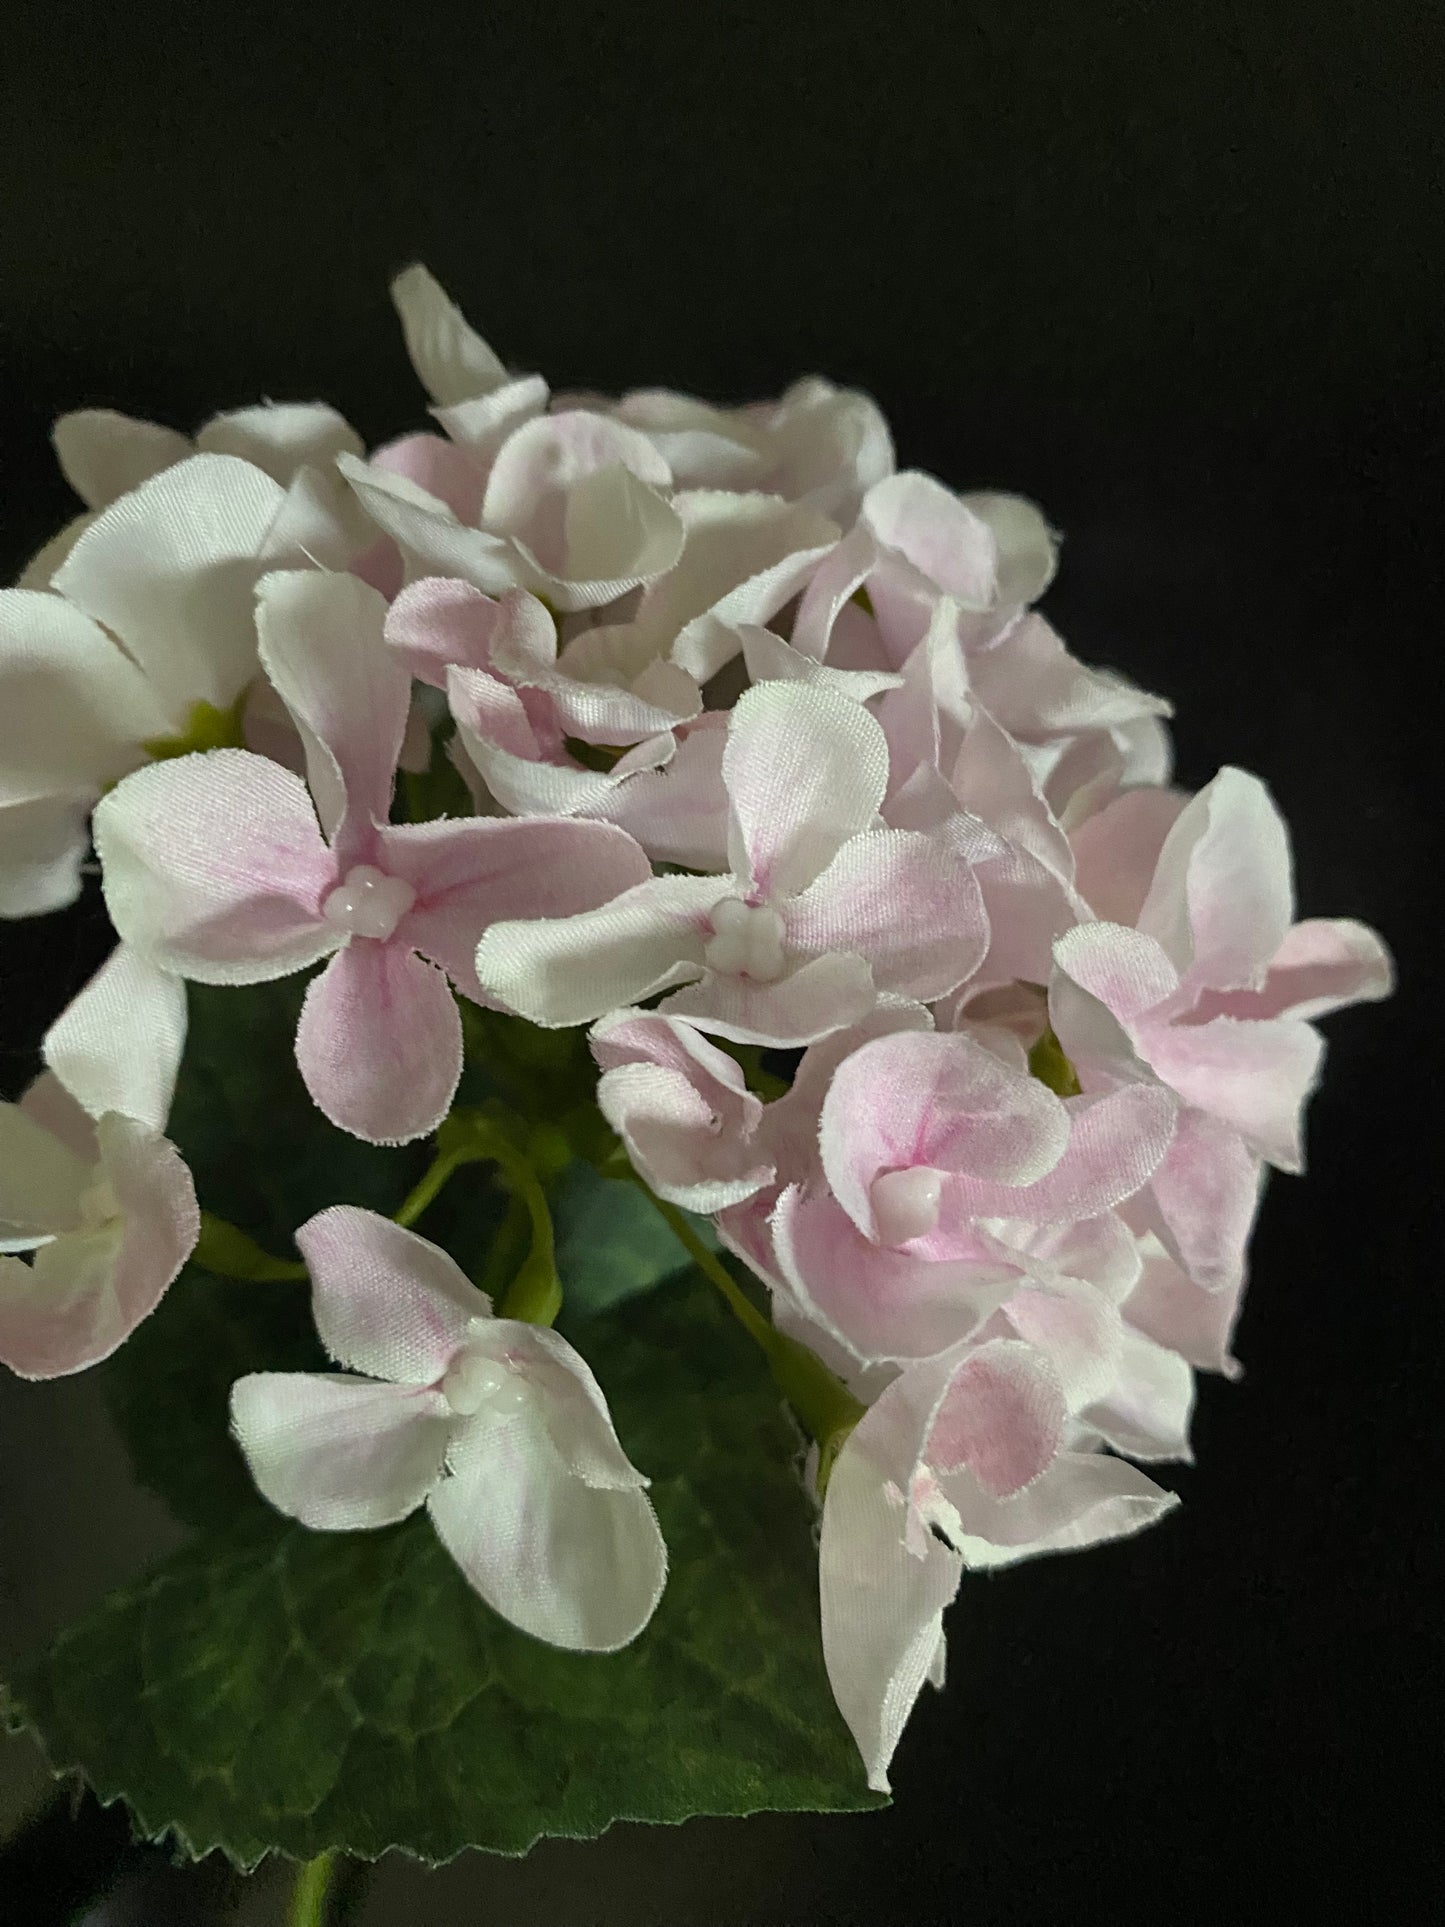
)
(838, 578)
(906, 902)
(1169, 1307)
(428, 531)
(437, 622)
(1223, 892)
(1203, 1198)
(1117, 1140)
(452, 361)
(679, 811)
(579, 1565)
(1322, 965)
(882, 1601)
(215, 868)
(1036, 690)
(386, 1302)
(1001, 1417)
(572, 970)
(1077, 1329)
(1025, 550)
(117, 1045)
(321, 643)
(170, 570)
(617, 534)
(104, 455)
(805, 770)
(827, 446)
(879, 1302)
(47, 1103)
(84, 1294)
(822, 996)
(1145, 1414)
(1125, 970)
(482, 423)
(281, 437)
(379, 1043)
(439, 468)
(1116, 851)
(471, 874)
(340, 1454)
(925, 1100)
(770, 659)
(546, 458)
(946, 542)
(1084, 1499)
(1254, 1076)
(42, 1177)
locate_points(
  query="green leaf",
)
(273, 1688)
(611, 1243)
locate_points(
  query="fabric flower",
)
(958, 1464)
(948, 1178)
(823, 912)
(89, 1185)
(222, 868)
(1207, 990)
(497, 1427)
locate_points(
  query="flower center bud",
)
(747, 941)
(368, 902)
(475, 1382)
(905, 1203)
(98, 1206)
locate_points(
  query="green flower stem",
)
(227, 1251)
(431, 1181)
(311, 1892)
(827, 1408)
(535, 1293)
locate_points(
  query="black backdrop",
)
(1165, 269)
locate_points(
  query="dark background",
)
(1169, 270)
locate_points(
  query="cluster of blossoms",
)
(904, 962)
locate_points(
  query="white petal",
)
(281, 437)
(117, 1045)
(42, 846)
(452, 361)
(103, 455)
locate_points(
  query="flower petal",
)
(386, 1302)
(429, 533)
(825, 995)
(1084, 1499)
(340, 1454)
(42, 846)
(436, 622)
(1002, 1417)
(805, 770)
(117, 1045)
(1116, 851)
(1146, 1411)
(104, 455)
(379, 1043)
(170, 570)
(280, 437)
(41, 1178)
(579, 1565)
(214, 867)
(1322, 965)
(572, 970)
(452, 361)
(322, 645)
(1254, 1075)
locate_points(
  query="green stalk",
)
(312, 1891)
(226, 1250)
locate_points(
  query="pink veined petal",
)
(438, 467)
(579, 1565)
(451, 360)
(469, 875)
(1127, 971)
(805, 770)
(104, 455)
(1203, 1198)
(321, 644)
(1001, 1417)
(947, 542)
(1145, 1413)
(84, 1294)
(571, 970)
(379, 1043)
(340, 1454)
(42, 846)
(117, 1045)
(1117, 1140)
(215, 868)
(941, 1101)
(281, 437)
(1116, 851)
(170, 569)
(1084, 1499)
(1253, 1075)
(1223, 894)
(882, 1602)
(437, 622)
(878, 1302)
(907, 903)
(824, 995)
(1322, 965)
(386, 1302)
